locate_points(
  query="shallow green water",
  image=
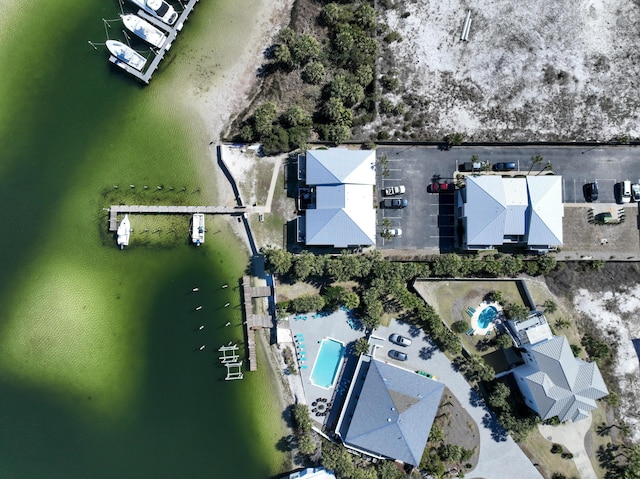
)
(100, 369)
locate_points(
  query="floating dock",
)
(171, 32)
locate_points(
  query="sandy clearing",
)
(615, 315)
(530, 70)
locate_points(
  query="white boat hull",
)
(197, 229)
(124, 231)
(126, 54)
(159, 9)
(144, 30)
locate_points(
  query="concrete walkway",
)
(499, 453)
(571, 436)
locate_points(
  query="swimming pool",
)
(327, 363)
(487, 315)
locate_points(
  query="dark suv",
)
(590, 191)
(395, 203)
(505, 166)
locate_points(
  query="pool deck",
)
(314, 330)
(477, 330)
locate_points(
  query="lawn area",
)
(451, 298)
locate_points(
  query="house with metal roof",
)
(496, 211)
(339, 209)
(552, 380)
(388, 411)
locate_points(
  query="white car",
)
(394, 232)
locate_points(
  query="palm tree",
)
(548, 166)
(534, 161)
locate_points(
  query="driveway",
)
(571, 436)
(498, 452)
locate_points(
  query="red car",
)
(437, 187)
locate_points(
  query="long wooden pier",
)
(171, 32)
(251, 320)
(115, 210)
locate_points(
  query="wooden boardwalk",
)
(171, 32)
(115, 210)
(251, 320)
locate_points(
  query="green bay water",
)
(101, 373)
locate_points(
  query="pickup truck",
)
(394, 190)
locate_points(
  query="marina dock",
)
(170, 31)
(115, 210)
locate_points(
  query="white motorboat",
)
(159, 9)
(197, 229)
(124, 230)
(126, 54)
(143, 29)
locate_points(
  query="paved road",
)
(497, 450)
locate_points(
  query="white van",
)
(626, 191)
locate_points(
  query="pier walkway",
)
(251, 320)
(115, 210)
(170, 31)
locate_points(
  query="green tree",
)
(331, 14)
(389, 470)
(307, 303)
(301, 417)
(296, 116)
(535, 160)
(517, 312)
(276, 141)
(333, 296)
(365, 16)
(350, 300)
(348, 91)
(550, 306)
(499, 397)
(454, 139)
(337, 113)
(304, 49)
(460, 327)
(361, 346)
(596, 349)
(278, 261)
(338, 133)
(264, 117)
(282, 55)
(562, 323)
(364, 75)
(314, 73)
(503, 341)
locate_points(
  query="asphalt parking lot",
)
(427, 223)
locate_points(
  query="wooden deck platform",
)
(251, 320)
(115, 210)
(171, 32)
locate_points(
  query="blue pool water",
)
(487, 315)
(327, 363)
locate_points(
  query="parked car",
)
(394, 190)
(395, 203)
(394, 232)
(400, 356)
(590, 191)
(399, 340)
(505, 166)
(437, 187)
(622, 192)
(635, 192)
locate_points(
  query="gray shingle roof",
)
(338, 228)
(559, 383)
(546, 212)
(394, 413)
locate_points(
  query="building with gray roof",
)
(341, 211)
(496, 211)
(552, 380)
(389, 411)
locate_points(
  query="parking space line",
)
(395, 169)
(393, 217)
(391, 179)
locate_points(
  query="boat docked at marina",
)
(159, 9)
(126, 54)
(197, 229)
(143, 29)
(124, 231)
